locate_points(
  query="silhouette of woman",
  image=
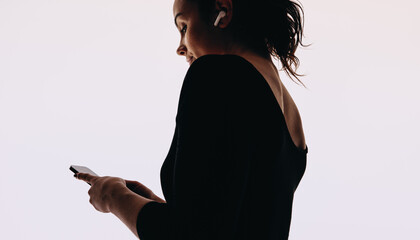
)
(238, 152)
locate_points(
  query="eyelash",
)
(184, 29)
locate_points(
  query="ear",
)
(224, 5)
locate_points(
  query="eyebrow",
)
(176, 18)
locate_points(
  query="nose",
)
(182, 50)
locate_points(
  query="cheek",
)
(191, 42)
(197, 42)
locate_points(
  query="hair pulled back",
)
(270, 27)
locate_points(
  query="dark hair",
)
(271, 27)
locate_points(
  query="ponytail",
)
(270, 27)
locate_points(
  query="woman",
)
(238, 151)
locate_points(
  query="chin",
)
(191, 60)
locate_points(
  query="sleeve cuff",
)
(153, 222)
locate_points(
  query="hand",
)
(103, 190)
(142, 190)
(111, 194)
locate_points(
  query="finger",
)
(136, 183)
(132, 185)
(86, 177)
(130, 182)
(138, 188)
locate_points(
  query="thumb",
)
(139, 188)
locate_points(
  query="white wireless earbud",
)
(221, 15)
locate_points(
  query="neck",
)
(243, 50)
(252, 56)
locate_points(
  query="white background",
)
(96, 83)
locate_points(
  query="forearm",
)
(126, 206)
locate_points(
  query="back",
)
(232, 168)
(274, 165)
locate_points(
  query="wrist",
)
(126, 205)
(119, 198)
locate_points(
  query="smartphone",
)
(82, 169)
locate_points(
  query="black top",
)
(232, 167)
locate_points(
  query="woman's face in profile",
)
(196, 36)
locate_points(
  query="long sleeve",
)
(200, 171)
